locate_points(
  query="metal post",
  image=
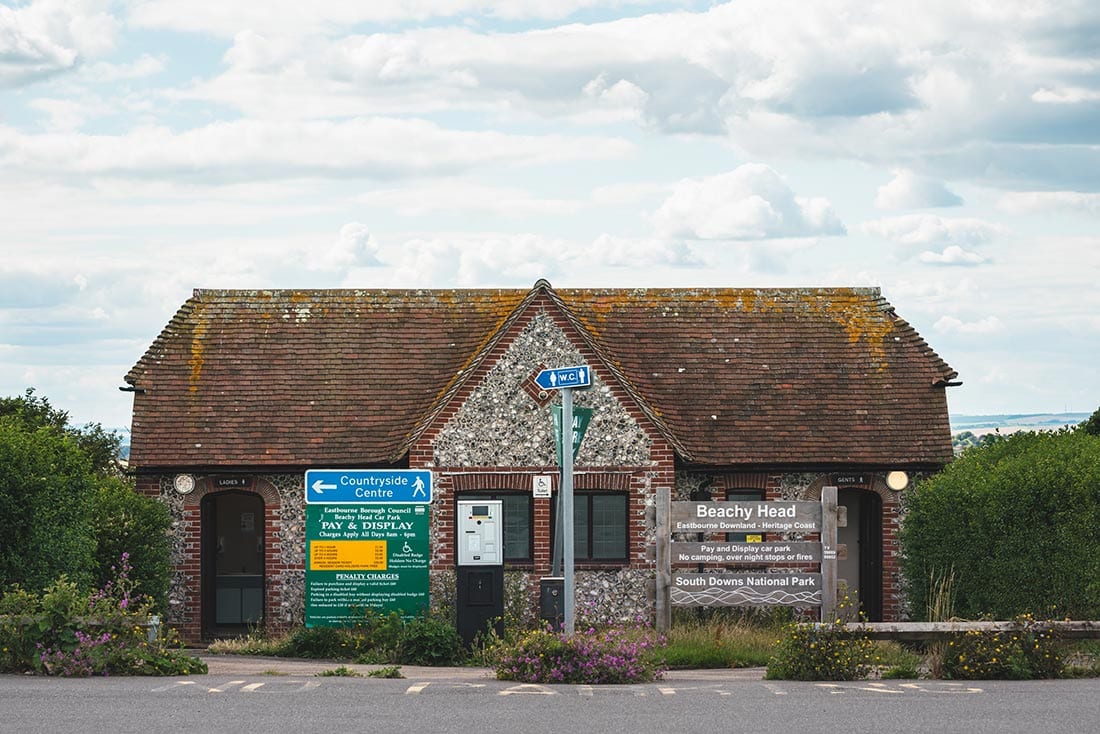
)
(567, 506)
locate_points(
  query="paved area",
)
(256, 665)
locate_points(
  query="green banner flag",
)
(581, 417)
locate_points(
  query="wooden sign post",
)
(784, 588)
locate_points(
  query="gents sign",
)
(717, 517)
(746, 589)
(745, 554)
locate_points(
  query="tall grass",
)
(719, 643)
(941, 608)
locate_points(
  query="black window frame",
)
(584, 500)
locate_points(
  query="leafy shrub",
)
(66, 509)
(1018, 523)
(390, 671)
(342, 672)
(66, 632)
(595, 656)
(45, 482)
(374, 638)
(904, 671)
(822, 652)
(1030, 651)
(429, 640)
(125, 521)
(316, 642)
(377, 637)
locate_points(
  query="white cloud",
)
(952, 255)
(749, 203)
(354, 248)
(292, 16)
(48, 37)
(1065, 95)
(466, 196)
(767, 74)
(62, 115)
(248, 149)
(647, 252)
(907, 190)
(27, 55)
(1030, 202)
(620, 101)
(952, 325)
(144, 66)
(931, 230)
(516, 260)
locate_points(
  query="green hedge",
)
(1017, 523)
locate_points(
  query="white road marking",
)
(417, 688)
(528, 688)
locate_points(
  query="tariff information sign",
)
(365, 556)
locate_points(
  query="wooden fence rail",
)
(906, 631)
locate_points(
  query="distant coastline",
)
(1012, 422)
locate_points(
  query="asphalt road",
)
(244, 696)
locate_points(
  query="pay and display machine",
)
(479, 535)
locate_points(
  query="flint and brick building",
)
(715, 393)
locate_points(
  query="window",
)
(744, 495)
(600, 527)
(516, 507)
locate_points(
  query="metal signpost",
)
(565, 379)
(366, 543)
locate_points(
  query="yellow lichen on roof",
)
(198, 349)
(862, 322)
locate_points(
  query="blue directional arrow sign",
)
(358, 486)
(562, 377)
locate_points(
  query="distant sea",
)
(1010, 422)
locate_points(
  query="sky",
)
(949, 156)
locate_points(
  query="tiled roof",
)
(283, 378)
(784, 376)
(729, 376)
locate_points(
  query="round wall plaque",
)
(184, 483)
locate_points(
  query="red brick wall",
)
(186, 616)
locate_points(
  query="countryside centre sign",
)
(366, 543)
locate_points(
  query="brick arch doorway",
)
(862, 570)
(233, 593)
